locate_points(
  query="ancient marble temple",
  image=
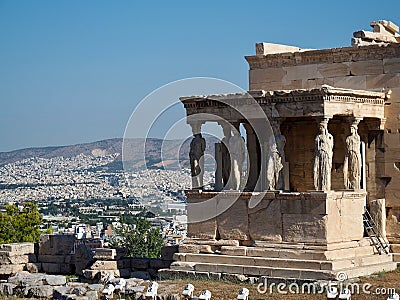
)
(321, 144)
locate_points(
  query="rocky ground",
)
(223, 290)
(25, 285)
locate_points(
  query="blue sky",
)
(73, 71)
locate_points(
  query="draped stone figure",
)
(280, 141)
(237, 152)
(226, 158)
(196, 155)
(274, 165)
(352, 160)
(323, 158)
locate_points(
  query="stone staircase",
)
(288, 261)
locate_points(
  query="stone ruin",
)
(322, 144)
(384, 32)
(42, 270)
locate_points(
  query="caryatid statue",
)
(323, 158)
(352, 160)
(196, 155)
(274, 165)
(276, 159)
(226, 158)
(237, 153)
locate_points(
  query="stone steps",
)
(297, 261)
(370, 269)
(298, 254)
(276, 267)
(215, 260)
(202, 269)
(272, 272)
(281, 250)
(276, 273)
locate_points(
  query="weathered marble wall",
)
(312, 217)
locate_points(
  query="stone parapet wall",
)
(310, 217)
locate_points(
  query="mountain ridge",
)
(153, 153)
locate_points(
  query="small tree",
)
(139, 238)
(18, 226)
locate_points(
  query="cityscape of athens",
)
(168, 151)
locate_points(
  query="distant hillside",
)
(174, 152)
(110, 146)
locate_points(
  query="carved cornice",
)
(324, 94)
(216, 100)
(333, 55)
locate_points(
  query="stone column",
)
(323, 155)
(363, 167)
(196, 155)
(354, 163)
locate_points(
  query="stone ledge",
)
(16, 249)
(105, 253)
(195, 241)
(11, 269)
(333, 55)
